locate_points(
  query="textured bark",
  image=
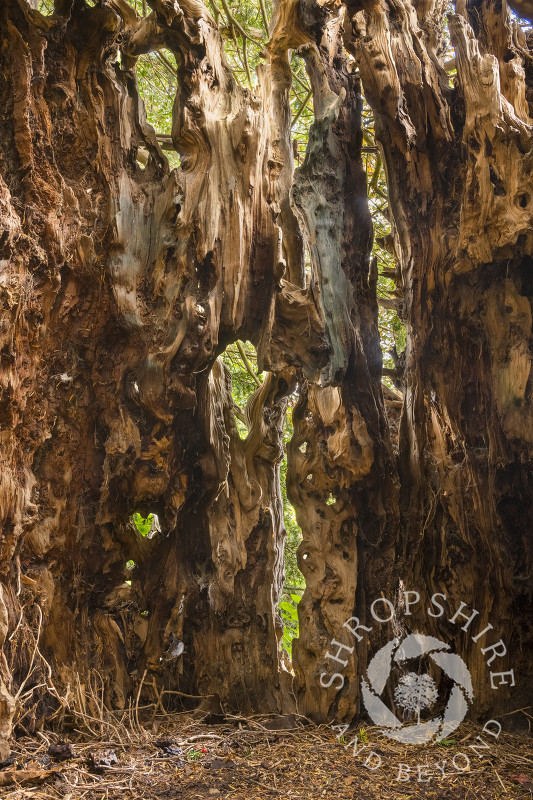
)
(341, 473)
(459, 163)
(121, 284)
(122, 281)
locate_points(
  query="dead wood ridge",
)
(123, 280)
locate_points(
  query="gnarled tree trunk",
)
(122, 283)
(459, 161)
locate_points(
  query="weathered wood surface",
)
(459, 158)
(122, 281)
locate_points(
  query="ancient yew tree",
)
(122, 281)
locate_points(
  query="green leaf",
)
(142, 524)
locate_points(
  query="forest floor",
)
(180, 758)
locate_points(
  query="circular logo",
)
(415, 692)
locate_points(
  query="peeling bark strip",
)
(122, 283)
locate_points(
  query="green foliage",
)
(157, 82)
(143, 524)
(294, 580)
(243, 384)
(289, 614)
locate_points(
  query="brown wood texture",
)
(122, 281)
(458, 155)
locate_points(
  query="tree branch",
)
(247, 364)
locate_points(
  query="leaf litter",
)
(181, 757)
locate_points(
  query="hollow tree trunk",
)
(121, 284)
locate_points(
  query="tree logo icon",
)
(416, 692)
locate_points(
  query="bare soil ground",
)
(180, 758)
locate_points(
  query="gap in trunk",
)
(389, 284)
(302, 111)
(446, 51)
(148, 526)
(241, 360)
(45, 7)
(308, 273)
(157, 81)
